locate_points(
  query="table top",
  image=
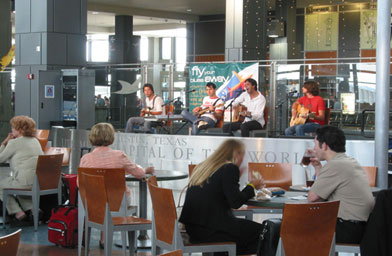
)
(302, 188)
(162, 175)
(279, 201)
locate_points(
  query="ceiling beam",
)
(122, 10)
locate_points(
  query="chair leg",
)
(124, 242)
(108, 234)
(131, 242)
(80, 227)
(87, 240)
(35, 199)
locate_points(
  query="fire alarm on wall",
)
(30, 76)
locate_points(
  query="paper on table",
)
(302, 197)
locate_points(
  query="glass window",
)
(144, 49)
(166, 48)
(99, 48)
(180, 53)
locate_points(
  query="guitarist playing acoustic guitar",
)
(208, 114)
(308, 112)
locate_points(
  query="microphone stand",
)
(231, 112)
(168, 110)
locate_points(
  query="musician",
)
(213, 107)
(316, 106)
(153, 107)
(254, 101)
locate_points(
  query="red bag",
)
(70, 188)
(63, 226)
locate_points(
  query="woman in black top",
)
(213, 192)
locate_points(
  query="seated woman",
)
(21, 149)
(213, 192)
(102, 136)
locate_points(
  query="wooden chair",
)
(115, 186)
(97, 205)
(42, 136)
(9, 243)
(274, 174)
(166, 233)
(58, 150)
(173, 253)
(371, 172)
(256, 133)
(309, 228)
(46, 181)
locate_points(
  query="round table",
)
(162, 175)
(278, 202)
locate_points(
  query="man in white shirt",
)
(254, 101)
(208, 114)
(153, 107)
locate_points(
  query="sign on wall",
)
(229, 79)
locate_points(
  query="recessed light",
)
(189, 10)
(95, 13)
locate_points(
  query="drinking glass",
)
(309, 153)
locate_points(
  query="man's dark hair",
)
(211, 85)
(252, 82)
(149, 86)
(333, 137)
(312, 87)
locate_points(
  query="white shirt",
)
(255, 106)
(207, 102)
(155, 106)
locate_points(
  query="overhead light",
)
(275, 29)
(189, 10)
(95, 13)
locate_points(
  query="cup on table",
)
(309, 153)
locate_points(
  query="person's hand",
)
(316, 164)
(196, 109)
(150, 170)
(9, 137)
(257, 181)
(211, 108)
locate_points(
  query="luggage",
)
(70, 189)
(63, 226)
(269, 237)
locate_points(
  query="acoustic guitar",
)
(238, 113)
(302, 116)
(204, 110)
(145, 112)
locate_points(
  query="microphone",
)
(295, 91)
(191, 91)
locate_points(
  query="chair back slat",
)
(114, 179)
(165, 214)
(48, 171)
(191, 167)
(274, 174)
(371, 173)
(9, 244)
(43, 137)
(309, 228)
(96, 197)
(58, 150)
(153, 180)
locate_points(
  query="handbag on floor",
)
(269, 237)
(63, 226)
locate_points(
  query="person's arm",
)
(6, 152)
(312, 197)
(259, 111)
(219, 110)
(157, 108)
(230, 186)
(132, 168)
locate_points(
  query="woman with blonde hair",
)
(213, 192)
(21, 149)
(102, 136)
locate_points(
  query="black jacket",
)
(377, 239)
(211, 205)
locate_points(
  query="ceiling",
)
(166, 14)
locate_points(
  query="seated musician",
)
(208, 114)
(306, 122)
(253, 117)
(153, 107)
